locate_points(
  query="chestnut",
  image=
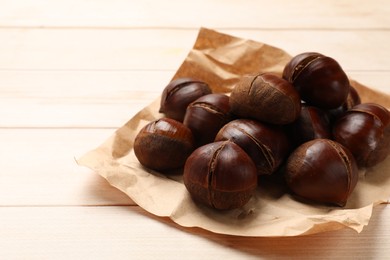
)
(267, 145)
(323, 171)
(319, 79)
(365, 131)
(163, 144)
(178, 94)
(265, 97)
(220, 175)
(312, 123)
(206, 115)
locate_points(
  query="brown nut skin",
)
(365, 131)
(267, 145)
(220, 175)
(322, 171)
(312, 123)
(319, 79)
(178, 94)
(267, 98)
(206, 115)
(353, 99)
(163, 144)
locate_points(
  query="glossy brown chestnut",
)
(353, 99)
(206, 115)
(319, 79)
(365, 131)
(323, 171)
(163, 144)
(267, 145)
(312, 123)
(267, 98)
(220, 175)
(178, 94)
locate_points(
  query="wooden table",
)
(72, 72)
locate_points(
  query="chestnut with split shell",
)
(163, 144)
(178, 94)
(220, 175)
(265, 97)
(322, 171)
(319, 79)
(365, 131)
(267, 145)
(206, 115)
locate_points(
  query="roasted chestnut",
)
(267, 98)
(178, 94)
(206, 115)
(220, 175)
(323, 171)
(163, 144)
(365, 131)
(319, 79)
(267, 145)
(312, 123)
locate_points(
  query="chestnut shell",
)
(178, 94)
(323, 171)
(267, 145)
(206, 115)
(163, 144)
(319, 79)
(365, 131)
(267, 98)
(220, 175)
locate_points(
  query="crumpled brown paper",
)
(221, 60)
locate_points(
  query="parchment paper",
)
(220, 60)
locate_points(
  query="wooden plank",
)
(156, 49)
(96, 98)
(39, 168)
(76, 99)
(333, 14)
(129, 232)
(56, 49)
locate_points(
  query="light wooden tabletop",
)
(72, 72)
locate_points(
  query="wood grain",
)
(72, 72)
(133, 49)
(276, 14)
(39, 169)
(129, 232)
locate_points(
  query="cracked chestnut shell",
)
(178, 94)
(206, 115)
(220, 175)
(265, 97)
(365, 131)
(323, 171)
(163, 144)
(319, 79)
(267, 145)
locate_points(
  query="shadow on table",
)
(343, 243)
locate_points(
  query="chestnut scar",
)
(302, 65)
(212, 165)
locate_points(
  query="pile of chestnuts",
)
(309, 125)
